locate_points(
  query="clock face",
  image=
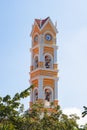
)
(36, 38)
(48, 37)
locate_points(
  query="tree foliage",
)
(11, 108)
(12, 116)
(84, 113)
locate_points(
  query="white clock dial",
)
(48, 37)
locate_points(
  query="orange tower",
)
(44, 70)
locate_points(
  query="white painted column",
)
(55, 55)
(56, 90)
(31, 57)
(31, 96)
(31, 93)
(41, 41)
(40, 88)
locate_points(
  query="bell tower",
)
(44, 68)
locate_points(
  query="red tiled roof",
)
(41, 22)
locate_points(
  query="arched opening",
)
(48, 95)
(36, 94)
(48, 61)
(36, 62)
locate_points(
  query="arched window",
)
(48, 61)
(35, 94)
(36, 62)
(48, 94)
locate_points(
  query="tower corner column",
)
(40, 90)
(56, 92)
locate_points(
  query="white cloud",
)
(78, 112)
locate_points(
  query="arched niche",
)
(35, 94)
(48, 59)
(48, 94)
(35, 62)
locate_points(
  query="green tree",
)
(41, 119)
(83, 127)
(84, 113)
(11, 109)
(37, 118)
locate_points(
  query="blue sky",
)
(16, 19)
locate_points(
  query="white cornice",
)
(43, 45)
(43, 77)
(52, 70)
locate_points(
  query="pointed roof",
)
(41, 22)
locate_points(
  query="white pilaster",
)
(40, 88)
(31, 57)
(31, 96)
(56, 90)
(55, 55)
(41, 41)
